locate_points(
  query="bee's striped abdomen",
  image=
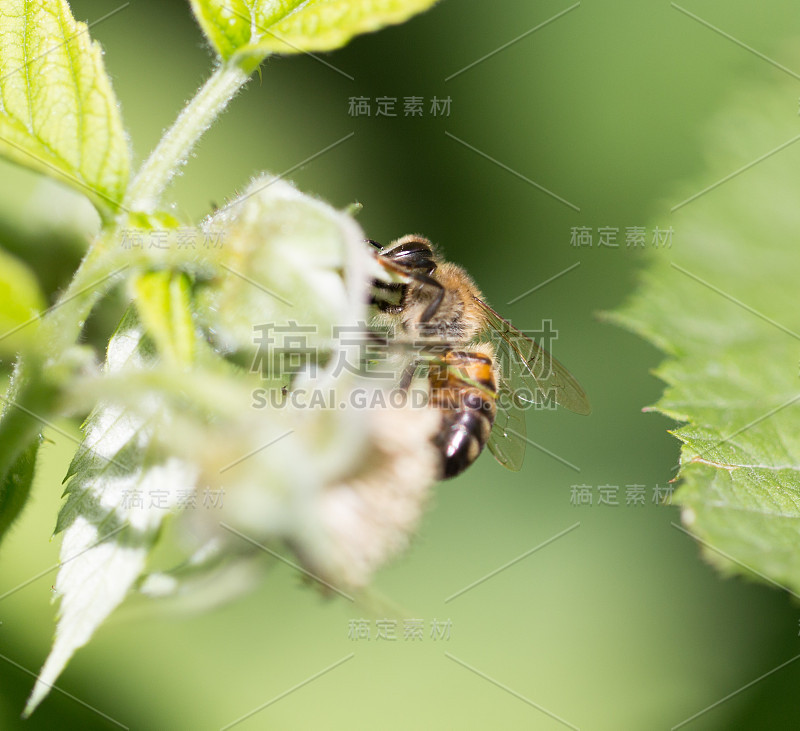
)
(463, 388)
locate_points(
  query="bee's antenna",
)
(374, 243)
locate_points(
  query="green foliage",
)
(734, 343)
(106, 541)
(20, 429)
(163, 302)
(258, 28)
(16, 485)
(226, 24)
(143, 437)
(171, 410)
(21, 301)
(59, 113)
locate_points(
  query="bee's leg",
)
(433, 307)
(423, 279)
(408, 375)
(438, 296)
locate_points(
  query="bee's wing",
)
(508, 437)
(530, 366)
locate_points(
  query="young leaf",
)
(162, 300)
(723, 303)
(296, 26)
(109, 525)
(58, 113)
(226, 24)
(322, 25)
(21, 301)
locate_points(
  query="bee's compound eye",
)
(415, 255)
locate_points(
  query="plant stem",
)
(61, 326)
(174, 148)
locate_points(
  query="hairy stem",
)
(174, 148)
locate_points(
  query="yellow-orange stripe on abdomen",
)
(463, 389)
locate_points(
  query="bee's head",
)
(412, 253)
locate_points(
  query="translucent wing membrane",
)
(528, 375)
(539, 374)
(508, 438)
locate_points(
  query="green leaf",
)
(163, 302)
(295, 26)
(226, 24)
(723, 303)
(109, 521)
(21, 301)
(58, 112)
(322, 25)
(15, 486)
(26, 407)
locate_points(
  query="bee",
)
(482, 371)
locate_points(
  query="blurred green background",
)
(617, 624)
